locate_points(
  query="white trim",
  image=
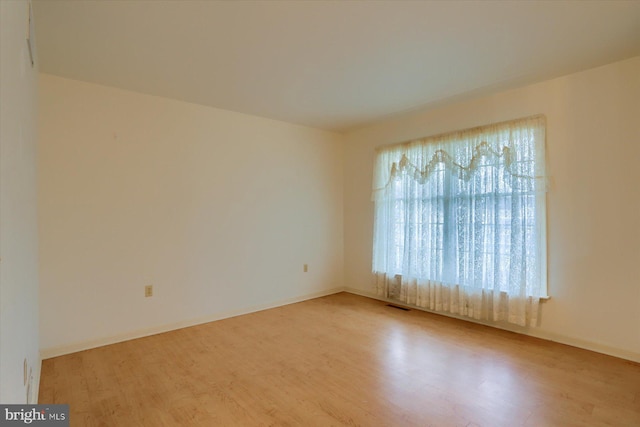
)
(535, 332)
(549, 336)
(86, 345)
(35, 391)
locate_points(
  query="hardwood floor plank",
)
(342, 360)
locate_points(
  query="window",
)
(460, 221)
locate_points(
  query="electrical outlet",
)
(148, 291)
(305, 268)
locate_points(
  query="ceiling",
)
(333, 65)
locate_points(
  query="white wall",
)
(593, 150)
(218, 210)
(18, 215)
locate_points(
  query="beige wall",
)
(218, 210)
(593, 150)
(18, 214)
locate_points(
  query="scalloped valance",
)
(511, 145)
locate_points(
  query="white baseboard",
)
(35, 391)
(85, 345)
(549, 336)
(48, 353)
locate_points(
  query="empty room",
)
(319, 213)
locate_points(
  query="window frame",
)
(539, 203)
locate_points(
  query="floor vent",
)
(398, 307)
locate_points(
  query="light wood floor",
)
(342, 360)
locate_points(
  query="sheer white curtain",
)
(460, 221)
